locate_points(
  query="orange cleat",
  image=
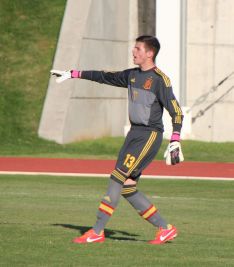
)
(90, 237)
(164, 235)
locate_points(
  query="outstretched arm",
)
(119, 78)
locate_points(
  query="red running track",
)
(83, 166)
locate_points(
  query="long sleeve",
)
(119, 78)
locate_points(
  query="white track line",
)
(107, 175)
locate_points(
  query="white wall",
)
(168, 31)
(210, 50)
(171, 34)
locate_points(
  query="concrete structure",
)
(94, 35)
(210, 50)
(197, 47)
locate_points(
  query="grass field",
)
(40, 215)
(108, 148)
(29, 31)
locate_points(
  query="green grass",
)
(108, 148)
(29, 32)
(40, 215)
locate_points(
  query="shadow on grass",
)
(108, 232)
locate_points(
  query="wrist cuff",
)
(175, 136)
(75, 74)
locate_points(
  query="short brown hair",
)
(151, 43)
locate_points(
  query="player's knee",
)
(130, 181)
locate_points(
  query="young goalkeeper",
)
(149, 91)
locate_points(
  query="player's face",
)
(140, 55)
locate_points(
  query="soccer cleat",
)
(90, 237)
(164, 235)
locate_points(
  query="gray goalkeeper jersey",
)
(148, 92)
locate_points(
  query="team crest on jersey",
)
(148, 83)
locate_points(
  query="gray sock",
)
(143, 206)
(107, 206)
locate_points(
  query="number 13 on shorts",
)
(129, 161)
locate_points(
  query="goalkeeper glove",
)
(173, 153)
(64, 75)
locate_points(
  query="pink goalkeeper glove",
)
(75, 73)
(175, 137)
